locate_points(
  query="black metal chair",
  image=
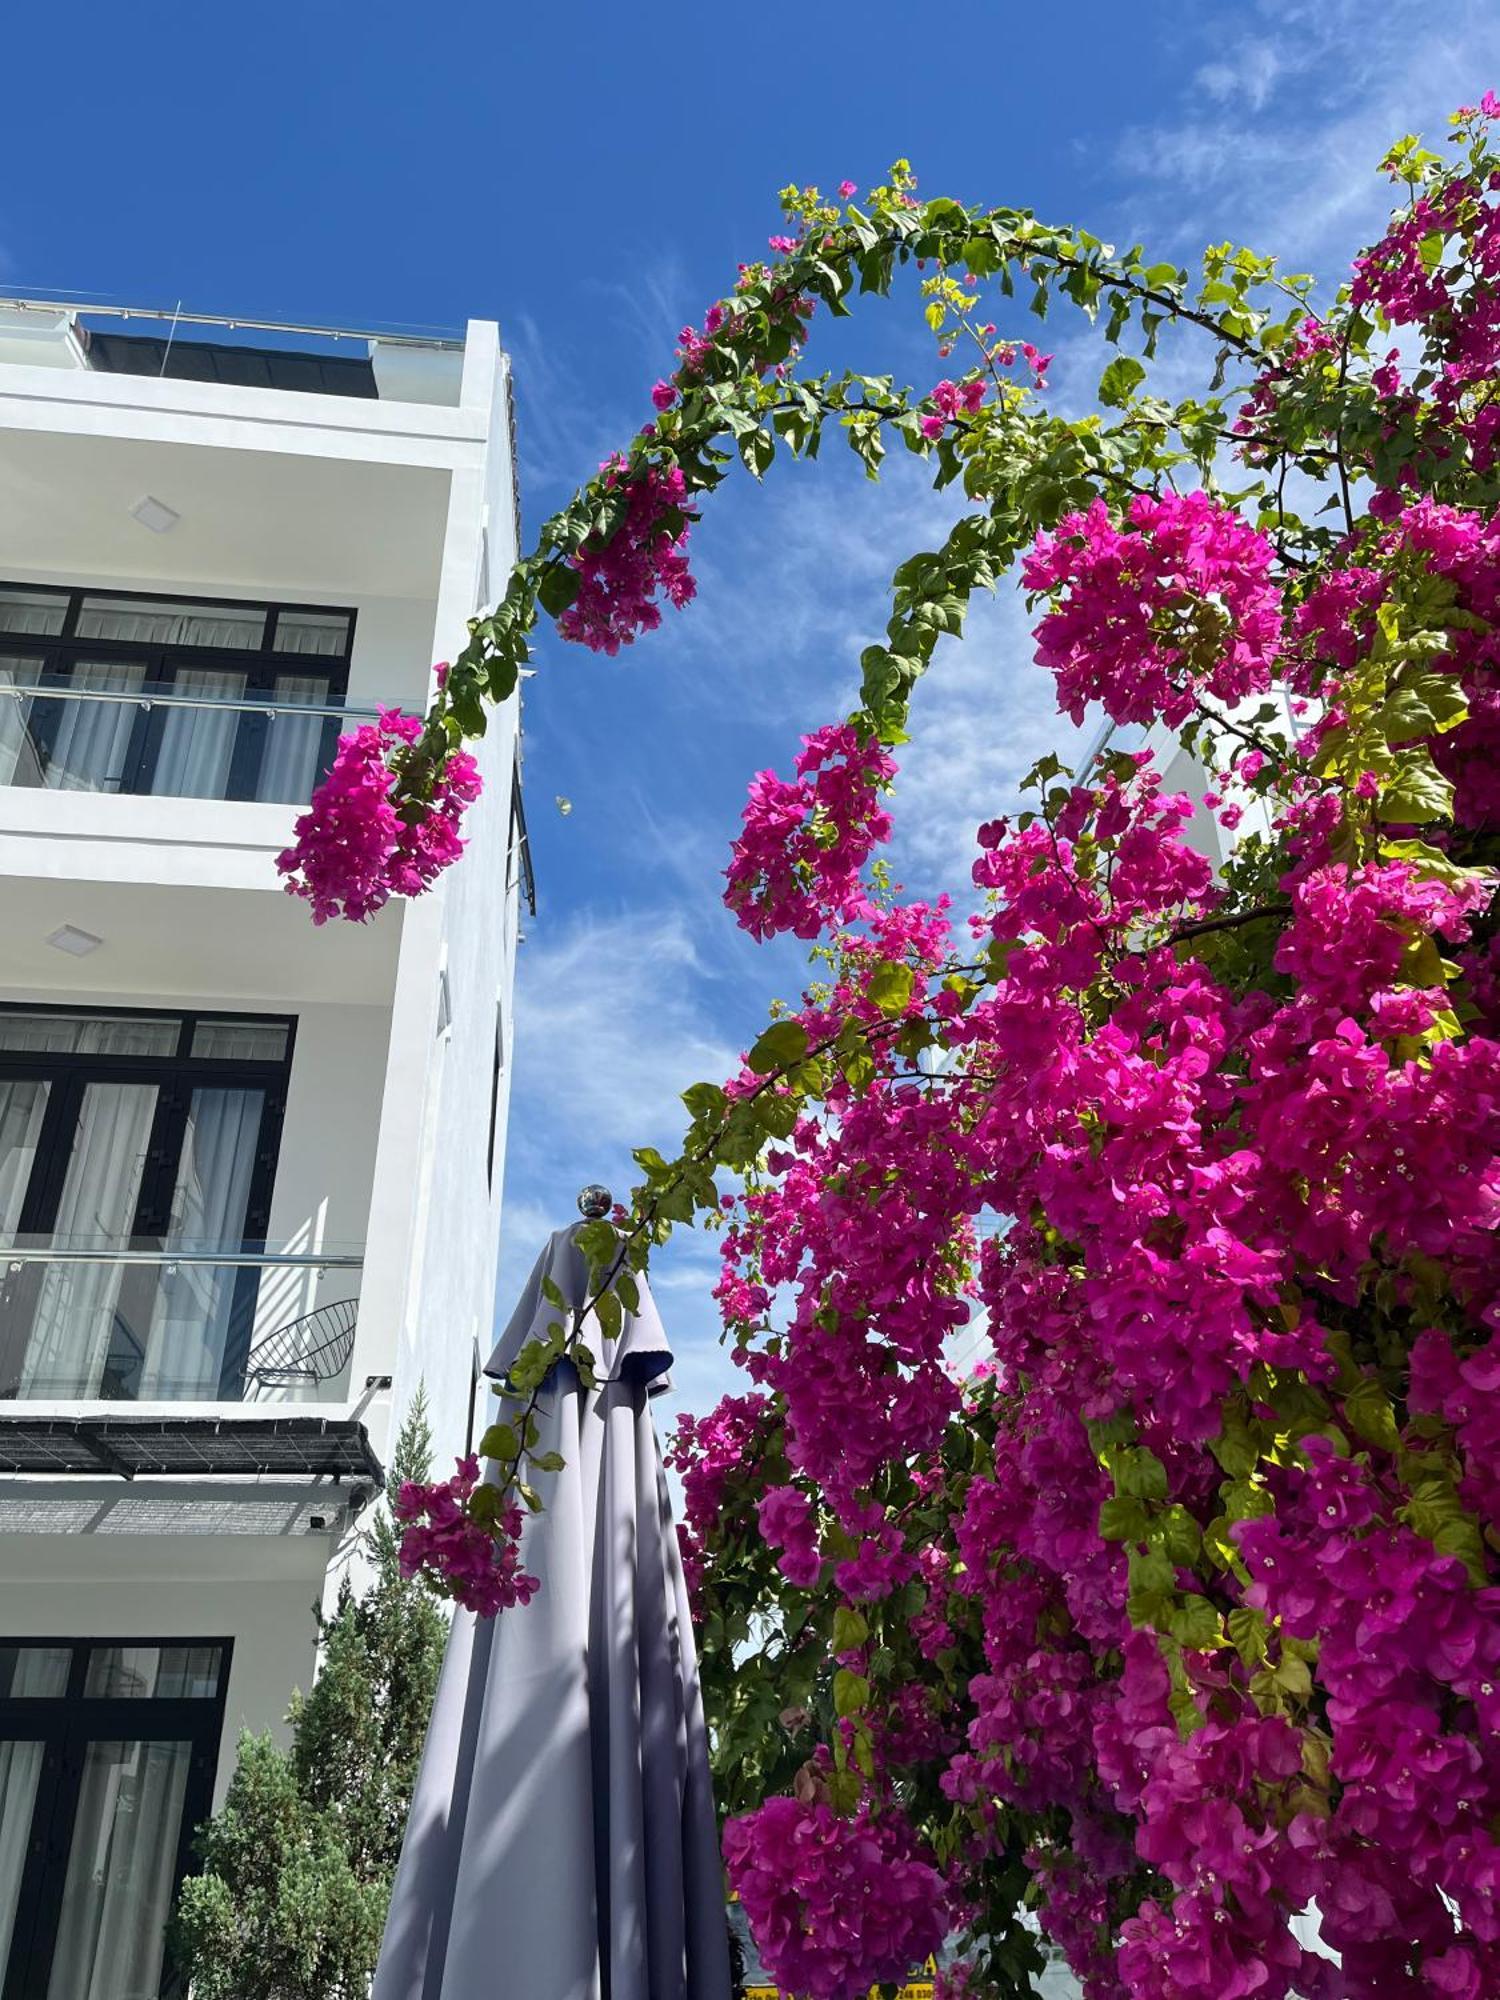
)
(314, 1348)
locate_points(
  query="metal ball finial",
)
(595, 1201)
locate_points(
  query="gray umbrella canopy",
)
(562, 1843)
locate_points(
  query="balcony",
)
(189, 1324)
(149, 740)
(160, 698)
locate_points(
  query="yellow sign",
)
(921, 1988)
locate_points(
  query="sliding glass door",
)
(137, 1156)
(172, 697)
(107, 1759)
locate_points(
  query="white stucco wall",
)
(387, 1123)
(436, 1212)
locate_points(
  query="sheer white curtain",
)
(18, 758)
(23, 1103)
(289, 767)
(190, 1319)
(40, 614)
(75, 1311)
(88, 1034)
(121, 1871)
(223, 625)
(93, 737)
(20, 1767)
(192, 761)
(25, 1671)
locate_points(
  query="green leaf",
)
(1119, 381)
(1369, 1411)
(500, 1441)
(1194, 1623)
(610, 1314)
(1138, 1473)
(1425, 705)
(844, 1790)
(1292, 1675)
(890, 987)
(705, 1100)
(775, 1115)
(548, 1461)
(598, 1242)
(851, 1692)
(783, 1044)
(1247, 1634)
(1122, 1520)
(560, 584)
(849, 1630)
(1417, 793)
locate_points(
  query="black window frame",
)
(65, 1724)
(58, 654)
(176, 1076)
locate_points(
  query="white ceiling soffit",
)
(250, 522)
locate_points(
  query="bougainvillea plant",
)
(1174, 1628)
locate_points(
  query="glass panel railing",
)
(201, 736)
(196, 1323)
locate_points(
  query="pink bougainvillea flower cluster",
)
(644, 560)
(357, 845)
(1177, 601)
(835, 1903)
(708, 1453)
(474, 1561)
(805, 842)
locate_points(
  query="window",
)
(107, 1757)
(137, 1157)
(495, 1076)
(174, 697)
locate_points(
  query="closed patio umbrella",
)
(562, 1842)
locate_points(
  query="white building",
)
(249, 1169)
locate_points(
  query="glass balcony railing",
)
(150, 739)
(193, 1323)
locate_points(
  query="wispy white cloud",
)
(1248, 74)
(615, 1016)
(1304, 103)
(610, 1028)
(979, 720)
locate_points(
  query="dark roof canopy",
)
(305, 1446)
(220, 361)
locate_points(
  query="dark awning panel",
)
(242, 367)
(306, 1447)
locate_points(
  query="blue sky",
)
(590, 177)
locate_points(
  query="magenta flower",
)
(356, 846)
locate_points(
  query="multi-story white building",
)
(249, 1169)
